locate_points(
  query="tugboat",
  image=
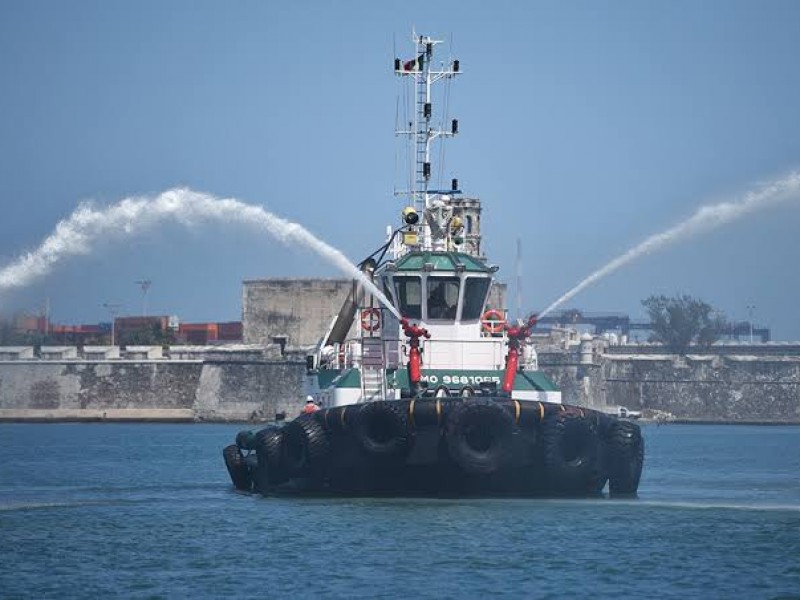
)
(437, 393)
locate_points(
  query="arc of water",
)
(704, 219)
(76, 234)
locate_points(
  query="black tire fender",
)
(571, 449)
(268, 452)
(625, 458)
(305, 447)
(237, 469)
(245, 440)
(382, 429)
(479, 436)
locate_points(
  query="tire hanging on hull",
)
(246, 440)
(625, 458)
(571, 449)
(479, 436)
(237, 469)
(382, 429)
(305, 447)
(270, 471)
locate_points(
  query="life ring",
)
(493, 321)
(370, 319)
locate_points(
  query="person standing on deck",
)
(310, 407)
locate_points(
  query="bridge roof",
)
(441, 261)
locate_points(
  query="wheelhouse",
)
(443, 287)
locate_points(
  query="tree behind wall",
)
(681, 321)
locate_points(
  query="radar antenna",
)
(421, 132)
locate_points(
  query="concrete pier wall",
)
(712, 387)
(250, 383)
(708, 388)
(233, 387)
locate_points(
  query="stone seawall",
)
(712, 387)
(252, 384)
(708, 388)
(226, 389)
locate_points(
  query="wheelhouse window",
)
(443, 297)
(408, 295)
(475, 292)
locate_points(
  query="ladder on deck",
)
(422, 124)
(373, 369)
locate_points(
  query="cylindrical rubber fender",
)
(382, 428)
(427, 412)
(625, 457)
(525, 413)
(551, 408)
(338, 418)
(246, 440)
(441, 391)
(237, 469)
(479, 436)
(305, 447)
(571, 453)
(268, 452)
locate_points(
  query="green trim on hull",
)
(452, 378)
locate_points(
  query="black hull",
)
(444, 447)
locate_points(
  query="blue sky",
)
(585, 127)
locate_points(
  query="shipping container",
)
(230, 331)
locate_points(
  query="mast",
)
(421, 131)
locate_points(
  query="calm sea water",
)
(147, 511)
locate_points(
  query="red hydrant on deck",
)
(414, 332)
(516, 335)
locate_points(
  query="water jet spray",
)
(705, 218)
(76, 234)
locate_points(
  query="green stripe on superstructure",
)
(441, 261)
(537, 379)
(450, 378)
(326, 376)
(339, 378)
